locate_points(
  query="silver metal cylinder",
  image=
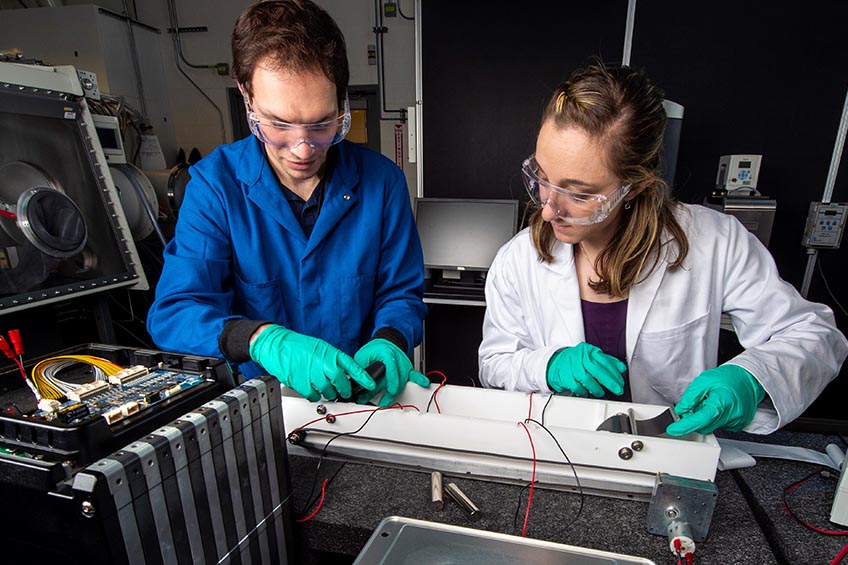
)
(462, 500)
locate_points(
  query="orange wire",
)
(532, 481)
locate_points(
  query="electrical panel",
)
(825, 224)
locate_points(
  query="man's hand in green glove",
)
(309, 365)
(398, 370)
(725, 397)
(584, 369)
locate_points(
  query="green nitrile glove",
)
(584, 369)
(309, 365)
(398, 370)
(725, 397)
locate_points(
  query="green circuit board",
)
(136, 391)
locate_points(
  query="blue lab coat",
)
(239, 252)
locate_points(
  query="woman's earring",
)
(628, 205)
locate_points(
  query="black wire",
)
(138, 134)
(401, 12)
(573, 470)
(381, 74)
(545, 409)
(131, 334)
(518, 507)
(324, 451)
(127, 309)
(155, 255)
(827, 286)
(317, 495)
(432, 396)
(21, 2)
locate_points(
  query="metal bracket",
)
(681, 507)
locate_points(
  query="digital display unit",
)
(459, 234)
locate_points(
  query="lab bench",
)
(749, 524)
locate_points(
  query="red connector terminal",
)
(15, 336)
(4, 347)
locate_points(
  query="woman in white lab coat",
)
(616, 290)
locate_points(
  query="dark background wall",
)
(754, 77)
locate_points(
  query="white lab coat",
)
(792, 346)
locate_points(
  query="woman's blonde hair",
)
(621, 109)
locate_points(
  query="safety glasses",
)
(568, 205)
(287, 135)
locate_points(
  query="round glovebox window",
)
(52, 222)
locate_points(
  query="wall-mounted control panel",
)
(825, 224)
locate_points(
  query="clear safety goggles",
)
(568, 205)
(287, 135)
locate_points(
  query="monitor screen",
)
(464, 234)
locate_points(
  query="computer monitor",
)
(463, 235)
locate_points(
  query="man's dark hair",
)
(295, 35)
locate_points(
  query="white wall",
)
(195, 121)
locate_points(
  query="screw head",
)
(87, 509)
(625, 453)
(637, 445)
(330, 418)
(296, 438)
(321, 409)
(672, 513)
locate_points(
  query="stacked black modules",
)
(197, 472)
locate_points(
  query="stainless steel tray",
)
(401, 541)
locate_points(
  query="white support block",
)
(839, 512)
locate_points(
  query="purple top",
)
(604, 325)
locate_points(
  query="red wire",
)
(21, 368)
(840, 555)
(792, 487)
(530, 410)
(15, 337)
(532, 481)
(317, 508)
(444, 380)
(324, 417)
(6, 348)
(689, 558)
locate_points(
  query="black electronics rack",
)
(52, 449)
(198, 477)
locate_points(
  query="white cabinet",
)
(94, 39)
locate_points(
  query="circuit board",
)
(131, 392)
